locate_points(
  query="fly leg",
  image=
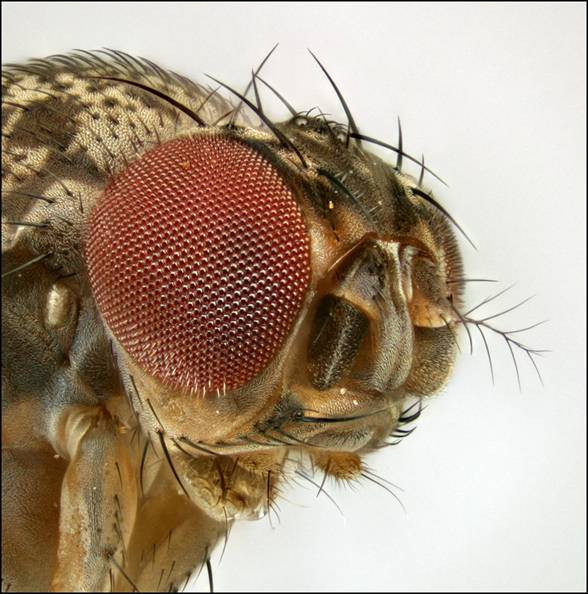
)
(98, 500)
(172, 539)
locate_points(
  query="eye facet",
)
(198, 258)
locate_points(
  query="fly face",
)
(274, 296)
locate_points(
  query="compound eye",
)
(198, 258)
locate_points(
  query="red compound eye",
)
(198, 258)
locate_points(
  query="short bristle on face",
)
(198, 258)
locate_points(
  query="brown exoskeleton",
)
(189, 302)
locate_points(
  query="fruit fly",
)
(196, 299)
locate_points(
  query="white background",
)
(494, 95)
